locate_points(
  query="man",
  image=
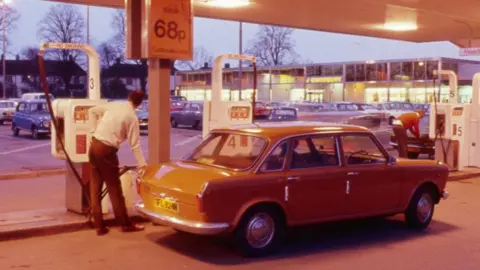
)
(118, 123)
(411, 121)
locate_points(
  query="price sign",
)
(170, 30)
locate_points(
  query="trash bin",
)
(129, 190)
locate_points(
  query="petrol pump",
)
(218, 113)
(454, 127)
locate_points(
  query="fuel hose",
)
(44, 85)
(438, 131)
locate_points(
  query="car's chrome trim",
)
(409, 145)
(182, 224)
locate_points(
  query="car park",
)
(190, 115)
(283, 114)
(7, 110)
(254, 181)
(31, 116)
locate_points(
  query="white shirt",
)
(118, 123)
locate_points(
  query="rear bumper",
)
(182, 224)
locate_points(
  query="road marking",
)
(189, 140)
(25, 149)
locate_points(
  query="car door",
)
(195, 113)
(316, 187)
(20, 115)
(373, 184)
(182, 115)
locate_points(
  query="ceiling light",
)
(400, 27)
(227, 3)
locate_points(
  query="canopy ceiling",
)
(437, 20)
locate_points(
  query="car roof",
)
(33, 101)
(288, 128)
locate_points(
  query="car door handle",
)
(353, 173)
(293, 178)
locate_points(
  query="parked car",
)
(394, 109)
(283, 114)
(177, 105)
(425, 107)
(253, 181)
(190, 115)
(32, 116)
(178, 98)
(36, 96)
(7, 110)
(142, 116)
(261, 110)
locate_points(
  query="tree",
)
(200, 57)
(11, 19)
(63, 23)
(119, 27)
(274, 46)
(29, 52)
(108, 54)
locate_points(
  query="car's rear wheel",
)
(15, 130)
(420, 211)
(173, 123)
(260, 231)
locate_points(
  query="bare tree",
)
(200, 57)
(274, 46)
(63, 23)
(108, 54)
(119, 27)
(29, 52)
(11, 20)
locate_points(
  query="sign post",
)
(163, 29)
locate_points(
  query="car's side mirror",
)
(391, 160)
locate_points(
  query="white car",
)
(7, 110)
(394, 109)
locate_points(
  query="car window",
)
(313, 152)
(21, 107)
(233, 151)
(285, 112)
(276, 160)
(38, 107)
(195, 107)
(361, 149)
(186, 107)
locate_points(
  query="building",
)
(133, 76)
(369, 81)
(23, 76)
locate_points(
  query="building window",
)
(128, 81)
(337, 70)
(419, 70)
(382, 72)
(350, 76)
(360, 73)
(327, 71)
(407, 71)
(431, 66)
(371, 72)
(395, 71)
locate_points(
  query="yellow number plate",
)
(166, 204)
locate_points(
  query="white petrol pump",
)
(455, 126)
(218, 113)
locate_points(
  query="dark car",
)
(31, 116)
(283, 114)
(190, 115)
(178, 98)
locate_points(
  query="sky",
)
(220, 37)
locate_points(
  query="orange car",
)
(254, 181)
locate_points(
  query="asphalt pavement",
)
(450, 243)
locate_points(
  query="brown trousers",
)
(402, 140)
(104, 161)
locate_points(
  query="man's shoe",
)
(102, 231)
(133, 228)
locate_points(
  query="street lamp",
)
(4, 13)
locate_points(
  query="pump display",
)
(218, 113)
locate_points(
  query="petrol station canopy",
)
(409, 20)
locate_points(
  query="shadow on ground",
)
(303, 241)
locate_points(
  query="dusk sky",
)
(222, 37)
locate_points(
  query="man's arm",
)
(134, 140)
(94, 114)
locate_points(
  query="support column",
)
(159, 110)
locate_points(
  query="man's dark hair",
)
(136, 97)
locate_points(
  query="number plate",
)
(166, 204)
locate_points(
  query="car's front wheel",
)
(35, 133)
(420, 211)
(15, 130)
(173, 123)
(260, 231)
